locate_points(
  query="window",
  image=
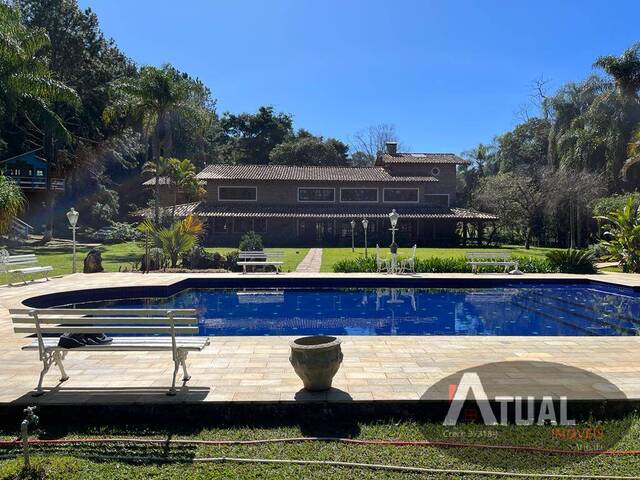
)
(435, 171)
(401, 195)
(436, 200)
(358, 194)
(260, 225)
(237, 194)
(309, 194)
(242, 225)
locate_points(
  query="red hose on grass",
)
(427, 443)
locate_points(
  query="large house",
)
(298, 205)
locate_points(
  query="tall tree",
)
(482, 158)
(27, 85)
(525, 147)
(151, 100)
(367, 143)
(249, 138)
(517, 199)
(310, 151)
(624, 69)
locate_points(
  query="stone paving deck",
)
(311, 262)
(249, 369)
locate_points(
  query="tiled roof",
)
(152, 181)
(163, 181)
(310, 211)
(299, 173)
(182, 210)
(415, 157)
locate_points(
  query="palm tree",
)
(633, 153)
(183, 178)
(624, 69)
(26, 84)
(179, 175)
(150, 101)
(623, 236)
(12, 202)
(28, 89)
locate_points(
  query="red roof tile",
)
(299, 173)
(416, 157)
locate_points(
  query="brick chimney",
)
(392, 147)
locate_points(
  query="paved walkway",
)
(311, 262)
(247, 368)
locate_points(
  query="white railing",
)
(20, 228)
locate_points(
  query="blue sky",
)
(447, 74)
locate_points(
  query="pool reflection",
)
(534, 309)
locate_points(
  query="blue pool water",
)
(521, 309)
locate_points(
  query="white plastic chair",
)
(382, 264)
(409, 264)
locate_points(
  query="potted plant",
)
(316, 359)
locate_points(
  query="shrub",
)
(251, 242)
(572, 261)
(118, 232)
(12, 200)
(622, 242)
(199, 258)
(534, 265)
(442, 265)
(179, 238)
(156, 260)
(231, 261)
(357, 264)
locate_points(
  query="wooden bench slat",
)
(66, 320)
(107, 311)
(130, 344)
(31, 270)
(105, 329)
(259, 263)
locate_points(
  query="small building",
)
(30, 171)
(310, 205)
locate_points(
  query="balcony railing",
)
(38, 183)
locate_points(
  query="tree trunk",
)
(49, 155)
(572, 227)
(155, 148)
(175, 202)
(527, 239)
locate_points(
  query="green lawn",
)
(123, 255)
(76, 462)
(333, 255)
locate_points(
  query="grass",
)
(333, 255)
(76, 463)
(122, 255)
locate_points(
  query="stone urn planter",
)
(316, 360)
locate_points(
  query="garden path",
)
(312, 262)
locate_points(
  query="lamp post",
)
(393, 218)
(72, 216)
(365, 224)
(353, 238)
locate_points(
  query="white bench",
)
(260, 258)
(7, 262)
(500, 259)
(159, 330)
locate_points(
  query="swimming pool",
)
(528, 309)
